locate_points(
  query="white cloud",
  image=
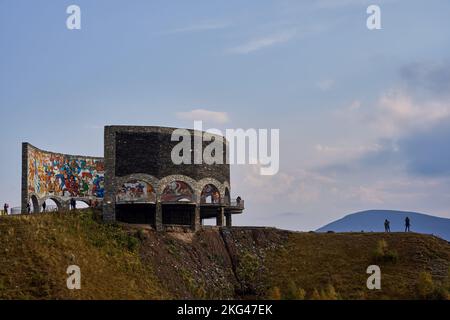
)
(397, 113)
(264, 42)
(204, 115)
(299, 187)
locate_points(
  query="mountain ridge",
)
(373, 221)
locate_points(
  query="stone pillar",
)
(109, 200)
(196, 223)
(158, 217)
(24, 177)
(220, 217)
(64, 206)
(228, 219)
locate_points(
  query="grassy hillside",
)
(132, 262)
(36, 250)
(333, 266)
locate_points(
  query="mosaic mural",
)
(177, 191)
(136, 191)
(210, 194)
(64, 176)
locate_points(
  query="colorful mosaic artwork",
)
(64, 176)
(136, 191)
(210, 194)
(177, 191)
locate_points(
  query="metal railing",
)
(237, 203)
(18, 210)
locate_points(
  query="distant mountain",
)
(373, 220)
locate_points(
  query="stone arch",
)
(60, 203)
(178, 191)
(34, 203)
(151, 181)
(86, 201)
(164, 182)
(210, 195)
(209, 181)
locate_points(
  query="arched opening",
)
(227, 199)
(210, 195)
(135, 203)
(210, 205)
(34, 205)
(178, 204)
(177, 191)
(81, 204)
(51, 205)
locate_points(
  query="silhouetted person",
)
(5, 208)
(28, 208)
(407, 224)
(238, 201)
(44, 205)
(387, 227)
(73, 204)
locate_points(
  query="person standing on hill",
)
(387, 227)
(407, 224)
(5, 208)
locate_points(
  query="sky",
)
(364, 115)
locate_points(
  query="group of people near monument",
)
(387, 225)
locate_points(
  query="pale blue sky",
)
(364, 116)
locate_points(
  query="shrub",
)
(425, 285)
(141, 234)
(293, 292)
(427, 289)
(329, 293)
(383, 254)
(274, 294)
(247, 271)
(132, 243)
(315, 295)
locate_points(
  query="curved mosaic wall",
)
(64, 176)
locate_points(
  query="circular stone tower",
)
(145, 182)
